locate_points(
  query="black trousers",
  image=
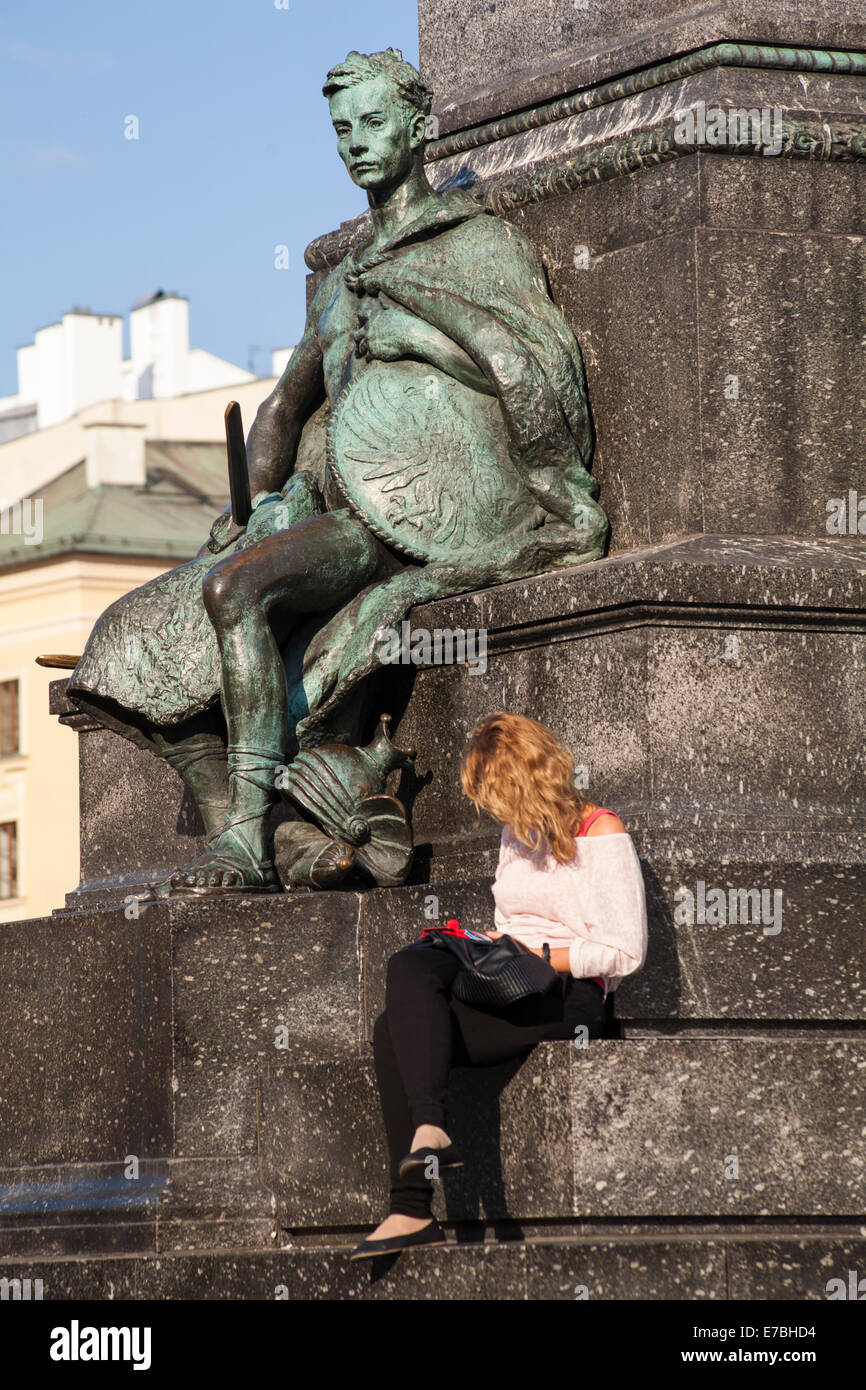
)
(424, 1032)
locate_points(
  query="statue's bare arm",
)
(273, 439)
(389, 332)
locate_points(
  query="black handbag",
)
(494, 972)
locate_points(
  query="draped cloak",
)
(153, 654)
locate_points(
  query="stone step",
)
(137, 1205)
(666, 1127)
(195, 991)
(152, 1037)
(147, 1036)
(780, 941)
(696, 1265)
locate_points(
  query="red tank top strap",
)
(602, 811)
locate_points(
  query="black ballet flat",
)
(414, 1164)
(428, 1235)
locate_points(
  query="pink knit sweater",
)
(595, 905)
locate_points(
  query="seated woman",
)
(568, 877)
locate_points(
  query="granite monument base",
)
(189, 1100)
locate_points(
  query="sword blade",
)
(239, 475)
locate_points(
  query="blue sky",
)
(235, 156)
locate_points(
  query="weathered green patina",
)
(430, 435)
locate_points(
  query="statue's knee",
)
(223, 593)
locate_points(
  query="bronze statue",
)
(430, 435)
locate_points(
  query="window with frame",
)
(9, 721)
(9, 859)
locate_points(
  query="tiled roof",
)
(169, 518)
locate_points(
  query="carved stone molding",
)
(803, 135)
(718, 55)
(801, 138)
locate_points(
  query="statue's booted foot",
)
(308, 858)
(229, 865)
(331, 865)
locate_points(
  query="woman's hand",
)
(559, 955)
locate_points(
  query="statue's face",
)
(377, 134)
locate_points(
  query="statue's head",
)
(379, 107)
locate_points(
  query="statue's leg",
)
(195, 748)
(199, 756)
(254, 598)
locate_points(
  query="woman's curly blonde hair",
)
(519, 771)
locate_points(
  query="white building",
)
(279, 360)
(122, 465)
(79, 362)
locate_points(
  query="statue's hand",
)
(363, 282)
(224, 532)
(387, 335)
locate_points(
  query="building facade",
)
(89, 509)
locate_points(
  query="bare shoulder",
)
(608, 824)
(328, 290)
